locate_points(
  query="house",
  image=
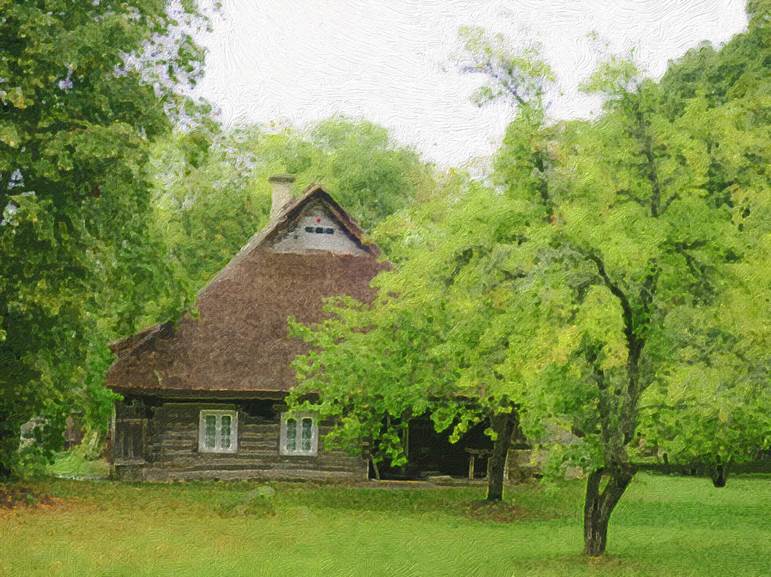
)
(204, 397)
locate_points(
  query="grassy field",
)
(663, 527)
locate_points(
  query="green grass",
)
(663, 527)
(75, 465)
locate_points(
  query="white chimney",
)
(281, 195)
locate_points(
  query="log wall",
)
(171, 447)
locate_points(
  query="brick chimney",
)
(281, 195)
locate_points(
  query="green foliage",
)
(630, 321)
(212, 193)
(521, 76)
(84, 88)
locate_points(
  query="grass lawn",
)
(664, 527)
(74, 465)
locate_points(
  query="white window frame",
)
(298, 452)
(219, 413)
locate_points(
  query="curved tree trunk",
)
(5, 472)
(719, 475)
(599, 505)
(504, 426)
(9, 444)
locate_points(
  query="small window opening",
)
(217, 432)
(299, 435)
(320, 230)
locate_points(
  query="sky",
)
(391, 61)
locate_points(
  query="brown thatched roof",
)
(239, 342)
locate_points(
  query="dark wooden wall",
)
(170, 445)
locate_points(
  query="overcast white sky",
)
(390, 61)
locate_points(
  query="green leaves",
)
(605, 288)
(521, 76)
(211, 192)
(78, 259)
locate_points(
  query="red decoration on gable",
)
(318, 219)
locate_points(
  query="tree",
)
(85, 87)
(646, 243)
(587, 307)
(373, 369)
(723, 348)
(450, 288)
(370, 174)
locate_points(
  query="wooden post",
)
(471, 459)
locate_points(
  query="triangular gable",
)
(315, 228)
(289, 218)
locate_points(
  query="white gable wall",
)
(302, 235)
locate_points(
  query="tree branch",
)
(626, 306)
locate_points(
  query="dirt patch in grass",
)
(502, 512)
(15, 496)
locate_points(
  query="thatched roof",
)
(239, 342)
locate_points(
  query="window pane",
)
(210, 431)
(307, 433)
(291, 435)
(225, 432)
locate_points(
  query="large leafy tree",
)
(651, 241)
(605, 292)
(645, 231)
(722, 348)
(84, 88)
(433, 341)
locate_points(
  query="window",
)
(299, 434)
(320, 230)
(218, 432)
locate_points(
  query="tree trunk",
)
(5, 471)
(595, 524)
(719, 475)
(599, 505)
(9, 445)
(375, 468)
(504, 425)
